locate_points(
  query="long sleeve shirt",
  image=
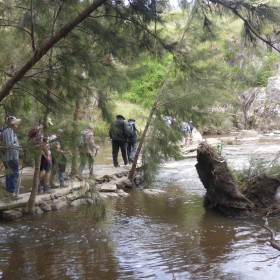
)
(11, 143)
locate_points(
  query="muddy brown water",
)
(170, 236)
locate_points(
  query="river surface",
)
(170, 236)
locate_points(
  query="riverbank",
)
(107, 182)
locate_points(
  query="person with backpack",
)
(58, 158)
(185, 129)
(87, 149)
(119, 135)
(131, 140)
(10, 156)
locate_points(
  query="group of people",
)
(124, 138)
(53, 159)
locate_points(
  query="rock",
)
(45, 207)
(79, 202)
(56, 205)
(153, 192)
(126, 183)
(122, 193)
(11, 214)
(38, 211)
(109, 187)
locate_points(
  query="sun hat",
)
(13, 120)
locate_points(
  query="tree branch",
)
(40, 52)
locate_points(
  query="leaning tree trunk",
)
(74, 163)
(36, 180)
(222, 192)
(45, 47)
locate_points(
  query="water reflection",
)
(167, 237)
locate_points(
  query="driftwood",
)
(258, 198)
(272, 240)
(222, 189)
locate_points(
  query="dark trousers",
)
(12, 175)
(116, 145)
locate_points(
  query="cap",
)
(120, 117)
(49, 121)
(13, 120)
(90, 126)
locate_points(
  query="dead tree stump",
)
(222, 192)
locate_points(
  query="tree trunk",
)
(222, 192)
(40, 52)
(74, 163)
(36, 180)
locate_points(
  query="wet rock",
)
(38, 211)
(138, 180)
(122, 193)
(126, 183)
(105, 195)
(109, 187)
(153, 192)
(79, 202)
(11, 214)
(56, 205)
(45, 207)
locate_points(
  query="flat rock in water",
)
(153, 191)
(11, 214)
(109, 187)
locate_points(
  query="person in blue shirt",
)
(11, 156)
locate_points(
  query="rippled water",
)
(142, 237)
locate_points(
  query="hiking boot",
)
(64, 185)
(47, 189)
(17, 197)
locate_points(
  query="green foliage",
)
(144, 88)
(218, 148)
(257, 166)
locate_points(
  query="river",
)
(170, 236)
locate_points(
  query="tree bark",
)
(74, 163)
(36, 180)
(40, 52)
(222, 190)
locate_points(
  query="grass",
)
(132, 111)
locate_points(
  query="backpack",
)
(2, 144)
(34, 134)
(131, 130)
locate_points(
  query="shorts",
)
(45, 164)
